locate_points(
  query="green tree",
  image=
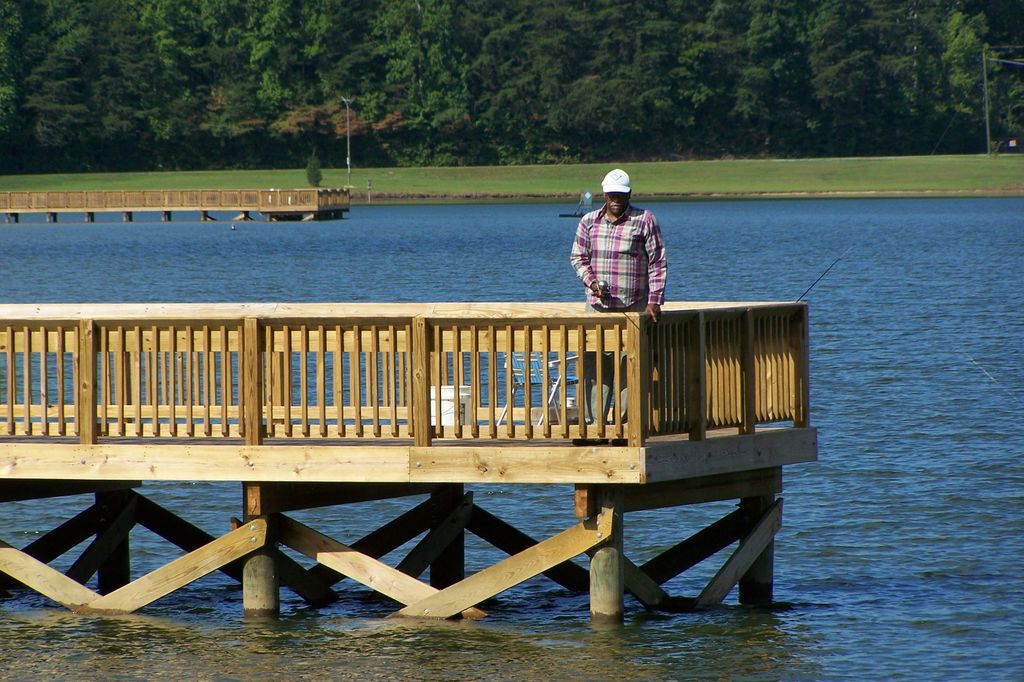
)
(10, 29)
(313, 173)
(425, 73)
(56, 86)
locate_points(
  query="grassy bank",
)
(894, 175)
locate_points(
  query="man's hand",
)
(654, 310)
(597, 291)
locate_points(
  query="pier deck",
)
(323, 404)
(274, 204)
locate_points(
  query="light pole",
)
(984, 86)
(348, 136)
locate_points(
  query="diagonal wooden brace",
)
(360, 567)
(107, 539)
(182, 571)
(46, 581)
(435, 542)
(736, 565)
(513, 570)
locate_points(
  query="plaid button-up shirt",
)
(628, 254)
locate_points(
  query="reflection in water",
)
(727, 642)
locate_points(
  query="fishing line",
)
(822, 275)
(1004, 388)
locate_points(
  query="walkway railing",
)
(265, 200)
(395, 371)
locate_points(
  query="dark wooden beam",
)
(697, 547)
(512, 541)
(15, 490)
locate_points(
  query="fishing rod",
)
(822, 275)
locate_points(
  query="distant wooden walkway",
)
(308, 405)
(274, 204)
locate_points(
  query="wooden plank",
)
(216, 461)
(180, 532)
(748, 375)
(696, 377)
(420, 416)
(85, 391)
(525, 464)
(362, 568)
(799, 347)
(638, 382)
(641, 586)
(732, 486)
(757, 582)
(309, 587)
(46, 581)
(750, 548)
(15, 490)
(284, 497)
(512, 541)
(387, 538)
(9, 364)
(667, 460)
(438, 539)
(62, 538)
(512, 571)
(696, 548)
(252, 382)
(181, 571)
(448, 566)
(109, 536)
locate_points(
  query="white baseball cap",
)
(616, 181)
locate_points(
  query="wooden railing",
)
(394, 371)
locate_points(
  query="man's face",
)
(617, 203)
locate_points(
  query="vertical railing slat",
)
(355, 374)
(304, 380)
(61, 426)
(492, 381)
(373, 378)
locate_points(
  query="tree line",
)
(169, 84)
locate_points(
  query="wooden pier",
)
(311, 405)
(274, 204)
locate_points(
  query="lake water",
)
(902, 550)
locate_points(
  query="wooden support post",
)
(607, 572)
(638, 371)
(799, 342)
(261, 594)
(85, 399)
(116, 571)
(450, 565)
(422, 432)
(696, 379)
(748, 377)
(251, 390)
(752, 545)
(757, 584)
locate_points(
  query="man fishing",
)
(619, 256)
